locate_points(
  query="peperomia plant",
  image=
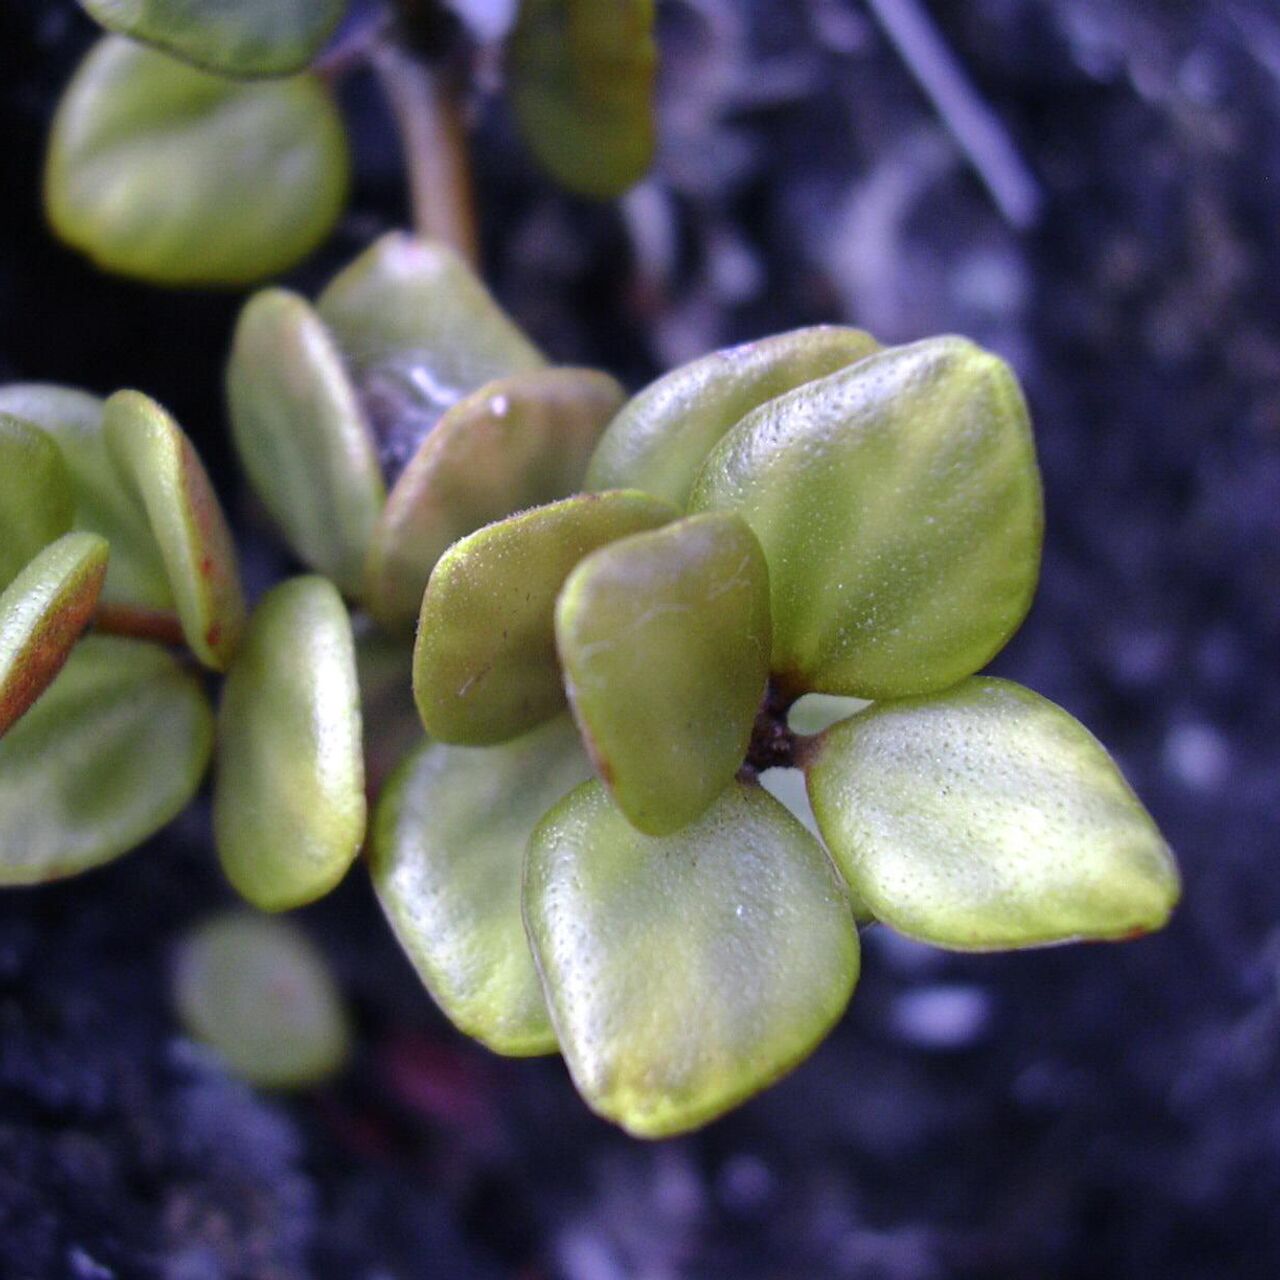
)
(697, 670)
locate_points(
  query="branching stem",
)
(138, 623)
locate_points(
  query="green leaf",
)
(300, 432)
(581, 77)
(42, 613)
(685, 973)
(161, 468)
(258, 992)
(389, 717)
(818, 711)
(898, 504)
(447, 860)
(484, 664)
(515, 443)
(664, 640)
(36, 505)
(230, 37)
(660, 440)
(288, 801)
(418, 328)
(136, 578)
(163, 172)
(987, 818)
(114, 749)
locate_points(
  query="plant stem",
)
(139, 623)
(434, 146)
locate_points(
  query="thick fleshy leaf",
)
(664, 641)
(419, 331)
(898, 504)
(136, 578)
(36, 505)
(300, 432)
(257, 992)
(288, 801)
(161, 468)
(818, 711)
(230, 37)
(42, 613)
(659, 442)
(515, 443)
(447, 861)
(484, 664)
(173, 175)
(987, 818)
(686, 972)
(114, 749)
(582, 77)
(390, 719)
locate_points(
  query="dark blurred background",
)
(1084, 1112)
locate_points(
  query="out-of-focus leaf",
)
(36, 505)
(42, 613)
(136, 578)
(484, 664)
(898, 504)
(661, 438)
(288, 802)
(818, 711)
(301, 434)
(173, 175)
(113, 750)
(987, 818)
(447, 860)
(160, 466)
(230, 37)
(418, 328)
(686, 972)
(513, 444)
(664, 640)
(256, 991)
(582, 87)
(390, 720)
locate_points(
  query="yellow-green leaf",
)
(301, 433)
(257, 991)
(515, 443)
(898, 504)
(986, 818)
(686, 972)
(582, 77)
(160, 466)
(42, 613)
(114, 749)
(664, 640)
(447, 860)
(36, 505)
(484, 663)
(661, 438)
(288, 802)
(164, 172)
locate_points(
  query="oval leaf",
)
(114, 749)
(659, 442)
(582, 86)
(231, 37)
(664, 640)
(136, 579)
(987, 818)
(301, 434)
(685, 973)
(159, 464)
(36, 505)
(257, 992)
(42, 613)
(448, 856)
(484, 663)
(515, 443)
(138, 175)
(288, 800)
(898, 504)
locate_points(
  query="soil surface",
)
(1083, 1112)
